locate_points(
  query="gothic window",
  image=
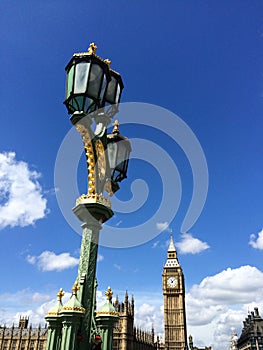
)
(23, 345)
(41, 345)
(32, 345)
(5, 347)
(13, 347)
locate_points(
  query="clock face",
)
(172, 282)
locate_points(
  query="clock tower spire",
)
(174, 301)
(172, 260)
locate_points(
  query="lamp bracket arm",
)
(82, 123)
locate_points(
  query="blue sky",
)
(200, 60)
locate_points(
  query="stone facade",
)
(252, 332)
(233, 341)
(128, 337)
(23, 337)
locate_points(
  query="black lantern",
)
(118, 149)
(113, 93)
(87, 79)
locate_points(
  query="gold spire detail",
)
(116, 125)
(75, 289)
(92, 49)
(60, 294)
(108, 62)
(109, 294)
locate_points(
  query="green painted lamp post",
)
(92, 96)
(55, 325)
(106, 319)
(71, 316)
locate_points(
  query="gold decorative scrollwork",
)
(101, 160)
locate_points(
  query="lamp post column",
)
(92, 209)
(92, 215)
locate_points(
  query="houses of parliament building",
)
(126, 336)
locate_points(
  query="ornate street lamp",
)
(87, 79)
(93, 92)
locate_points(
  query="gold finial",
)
(116, 125)
(92, 49)
(60, 294)
(109, 294)
(108, 62)
(75, 289)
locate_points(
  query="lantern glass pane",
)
(119, 167)
(78, 103)
(88, 102)
(81, 77)
(112, 150)
(104, 84)
(116, 175)
(95, 80)
(117, 98)
(70, 81)
(122, 152)
(111, 90)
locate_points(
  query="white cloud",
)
(257, 241)
(149, 311)
(23, 297)
(231, 286)
(221, 303)
(100, 299)
(21, 196)
(36, 314)
(162, 226)
(49, 261)
(145, 316)
(191, 245)
(22, 303)
(39, 298)
(31, 259)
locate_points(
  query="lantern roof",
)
(90, 53)
(115, 134)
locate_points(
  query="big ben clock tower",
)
(175, 335)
